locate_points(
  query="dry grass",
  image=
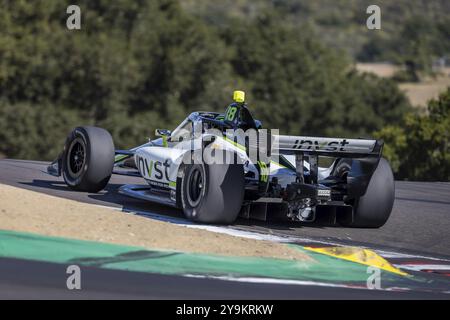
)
(418, 93)
(384, 70)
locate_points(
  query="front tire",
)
(212, 193)
(88, 159)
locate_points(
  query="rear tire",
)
(373, 209)
(88, 159)
(212, 193)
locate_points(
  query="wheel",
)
(212, 193)
(373, 209)
(88, 159)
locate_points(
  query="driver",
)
(237, 114)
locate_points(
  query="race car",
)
(260, 173)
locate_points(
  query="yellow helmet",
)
(239, 96)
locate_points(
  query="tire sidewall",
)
(99, 159)
(373, 209)
(75, 182)
(190, 211)
(224, 188)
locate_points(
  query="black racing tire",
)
(373, 209)
(88, 159)
(220, 196)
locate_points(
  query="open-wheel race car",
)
(259, 173)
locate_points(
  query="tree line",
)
(139, 65)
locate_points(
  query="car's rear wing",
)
(333, 147)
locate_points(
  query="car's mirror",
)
(162, 133)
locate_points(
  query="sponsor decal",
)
(334, 145)
(161, 169)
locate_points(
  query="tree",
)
(30, 132)
(419, 150)
(138, 65)
(301, 86)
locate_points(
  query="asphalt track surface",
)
(419, 224)
(20, 279)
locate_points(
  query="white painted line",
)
(241, 233)
(419, 267)
(389, 254)
(288, 282)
